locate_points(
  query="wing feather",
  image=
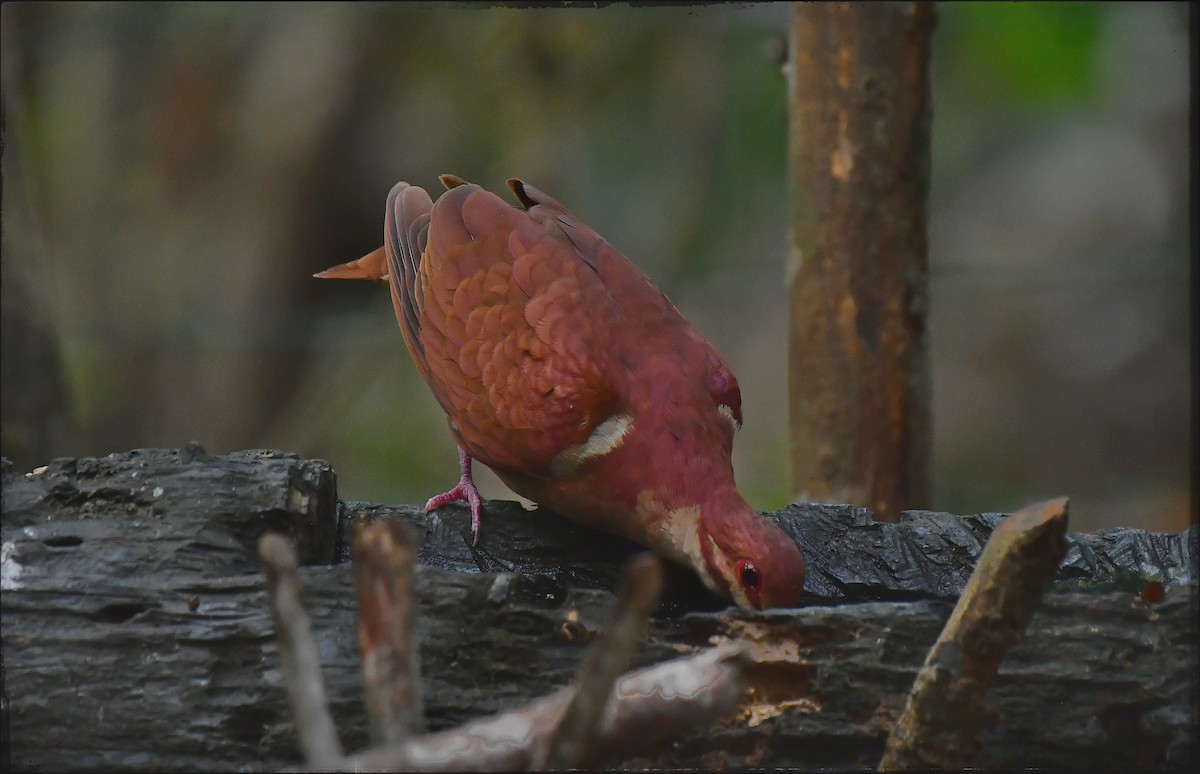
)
(508, 328)
(405, 221)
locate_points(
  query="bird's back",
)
(523, 321)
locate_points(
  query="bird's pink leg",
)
(465, 490)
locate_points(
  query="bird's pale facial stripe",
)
(681, 525)
(702, 553)
(727, 412)
(725, 568)
(607, 436)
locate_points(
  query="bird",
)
(564, 369)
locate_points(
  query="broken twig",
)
(945, 708)
(383, 572)
(298, 654)
(587, 723)
(609, 656)
(651, 705)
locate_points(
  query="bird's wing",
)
(509, 323)
(641, 304)
(406, 230)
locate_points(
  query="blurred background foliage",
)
(174, 173)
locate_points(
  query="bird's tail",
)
(373, 265)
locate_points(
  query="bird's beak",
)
(373, 265)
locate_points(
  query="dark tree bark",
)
(137, 632)
(859, 152)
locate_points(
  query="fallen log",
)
(137, 634)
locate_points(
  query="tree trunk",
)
(137, 633)
(859, 152)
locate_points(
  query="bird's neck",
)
(674, 532)
(681, 535)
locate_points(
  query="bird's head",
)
(745, 557)
(690, 417)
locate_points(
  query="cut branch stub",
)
(945, 708)
(298, 654)
(607, 658)
(383, 572)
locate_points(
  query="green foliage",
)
(1032, 54)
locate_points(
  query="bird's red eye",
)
(749, 576)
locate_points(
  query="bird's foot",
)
(465, 490)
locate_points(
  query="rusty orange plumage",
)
(564, 369)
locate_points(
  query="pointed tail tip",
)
(342, 271)
(373, 265)
(451, 181)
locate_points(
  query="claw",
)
(464, 490)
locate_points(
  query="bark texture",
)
(137, 632)
(859, 153)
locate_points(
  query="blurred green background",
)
(173, 173)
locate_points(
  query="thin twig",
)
(945, 708)
(383, 571)
(298, 655)
(607, 658)
(651, 705)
